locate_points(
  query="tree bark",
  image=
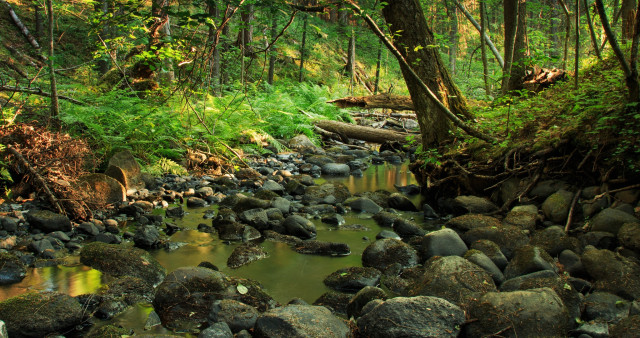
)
(21, 26)
(384, 101)
(415, 42)
(272, 51)
(363, 133)
(453, 36)
(577, 53)
(594, 40)
(55, 107)
(567, 33)
(515, 13)
(628, 18)
(483, 47)
(376, 86)
(302, 47)
(37, 13)
(214, 13)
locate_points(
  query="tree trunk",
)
(102, 7)
(385, 101)
(453, 36)
(483, 47)
(302, 47)
(414, 40)
(37, 13)
(577, 58)
(493, 48)
(214, 13)
(55, 108)
(350, 68)
(592, 32)
(567, 33)
(376, 86)
(368, 134)
(515, 16)
(245, 37)
(628, 17)
(272, 52)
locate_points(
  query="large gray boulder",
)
(531, 313)
(123, 166)
(336, 169)
(300, 321)
(507, 237)
(39, 314)
(444, 242)
(556, 207)
(412, 317)
(613, 273)
(528, 259)
(353, 279)
(473, 205)
(299, 226)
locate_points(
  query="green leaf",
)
(242, 289)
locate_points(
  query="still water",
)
(284, 274)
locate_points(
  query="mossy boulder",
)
(245, 254)
(554, 240)
(529, 313)
(301, 321)
(528, 259)
(119, 261)
(41, 314)
(492, 250)
(629, 236)
(522, 219)
(613, 273)
(556, 207)
(412, 317)
(383, 253)
(471, 221)
(611, 220)
(625, 327)
(48, 221)
(314, 194)
(507, 237)
(473, 205)
(454, 279)
(12, 270)
(353, 279)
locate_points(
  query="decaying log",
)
(541, 78)
(363, 133)
(37, 178)
(21, 26)
(385, 101)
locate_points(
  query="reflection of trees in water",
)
(72, 280)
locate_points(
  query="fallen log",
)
(385, 101)
(363, 133)
(38, 91)
(541, 78)
(21, 26)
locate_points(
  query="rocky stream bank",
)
(478, 272)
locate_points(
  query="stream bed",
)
(284, 274)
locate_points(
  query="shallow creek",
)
(284, 274)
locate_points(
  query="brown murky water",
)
(284, 274)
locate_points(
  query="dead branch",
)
(38, 91)
(599, 196)
(385, 101)
(37, 178)
(21, 26)
(368, 134)
(573, 206)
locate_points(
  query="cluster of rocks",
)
(484, 273)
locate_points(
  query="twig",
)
(584, 160)
(573, 205)
(38, 179)
(597, 197)
(38, 91)
(526, 190)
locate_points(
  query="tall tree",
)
(515, 44)
(483, 46)
(272, 51)
(627, 11)
(214, 13)
(302, 47)
(415, 41)
(55, 108)
(452, 13)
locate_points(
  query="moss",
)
(109, 331)
(119, 261)
(265, 194)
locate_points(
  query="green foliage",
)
(165, 166)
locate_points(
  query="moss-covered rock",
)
(554, 240)
(629, 236)
(352, 279)
(613, 273)
(528, 259)
(454, 279)
(314, 194)
(507, 237)
(40, 314)
(556, 207)
(120, 260)
(626, 327)
(611, 220)
(530, 313)
(301, 321)
(12, 270)
(522, 219)
(471, 221)
(383, 253)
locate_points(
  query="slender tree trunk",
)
(245, 37)
(55, 108)
(351, 61)
(376, 87)
(483, 46)
(272, 52)
(214, 13)
(628, 18)
(410, 30)
(302, 47)
(102, 8)
(224, 50)
(577, 58)
(167, 74)
(594, 40)
(453, 36)
(475, 24)
(37, 13)
(510, 32)
(567, 33)
(518, 67)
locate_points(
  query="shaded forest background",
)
(170, 79)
